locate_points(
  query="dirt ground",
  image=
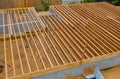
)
(112, 73)
(78, 77)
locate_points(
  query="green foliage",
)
(46, 5)
(89, 1)
(72, 2)
(7, 11)
(38, 10)
(114, 2)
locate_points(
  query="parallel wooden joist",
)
(86, 33)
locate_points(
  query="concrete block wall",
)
(70, 1)
(78, 70)
(99, 75)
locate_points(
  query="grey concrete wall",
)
(98, 74)
(70, 1)
(78, 70)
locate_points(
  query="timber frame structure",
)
(71, 35)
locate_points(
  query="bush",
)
(46, 5)
(89, 1)
(115, 2)
(38, 10)
(72, 2)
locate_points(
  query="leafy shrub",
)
(72, 2)
(38, 10)
(89, 1)
(115, 2)
(46, 5)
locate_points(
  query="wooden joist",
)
(33, 45)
